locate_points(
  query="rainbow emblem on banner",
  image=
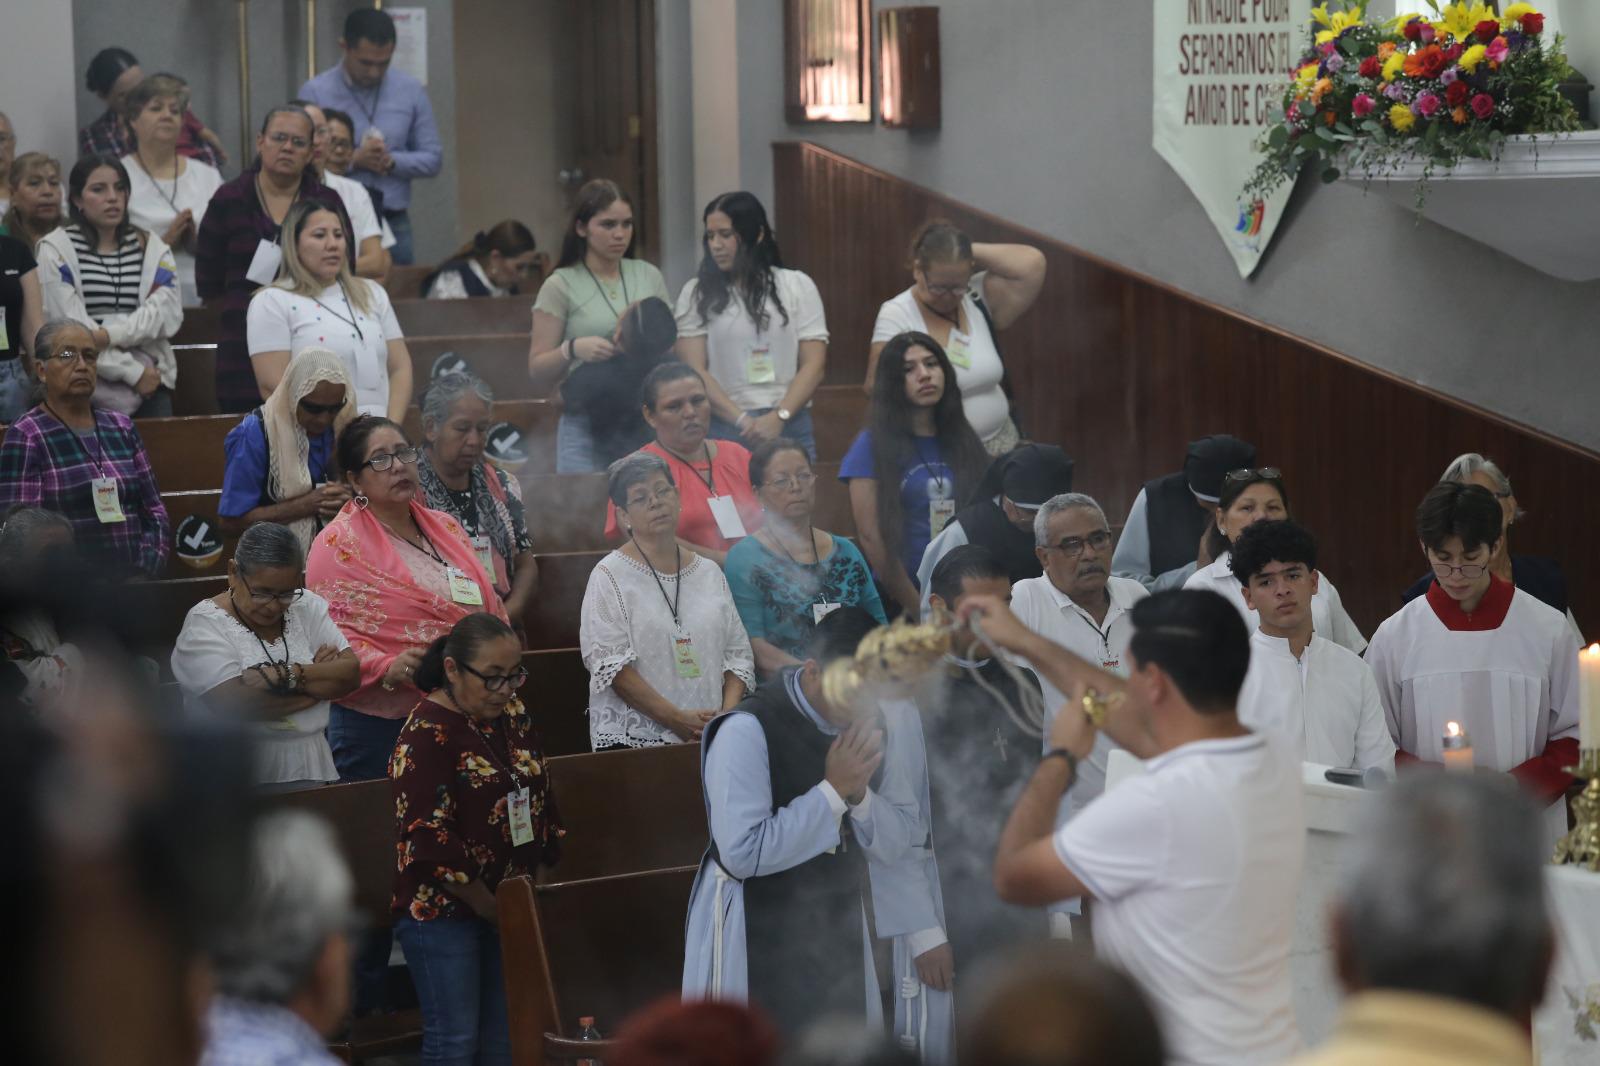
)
(1251, 216)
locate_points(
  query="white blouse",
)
(1328, 616)
(153, 204)
(982, 397)
(281, 321)
(627, 620)
(214, 648)
(734, 345)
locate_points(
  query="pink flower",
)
(1428, 33)
(1497, 50)
(1427, 104)
(1483, 106)
(1362, 105)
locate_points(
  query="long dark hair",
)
(593, 198)
(753, 267)
(1232, 489)
(893, 445)
(510, 238)
(460, 644)
(75, 183)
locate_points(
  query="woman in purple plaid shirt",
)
(87, 465)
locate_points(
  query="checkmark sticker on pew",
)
(198, 537)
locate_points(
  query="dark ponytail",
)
(460, 644)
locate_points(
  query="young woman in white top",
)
(753, 329)
(960, 295)
(317, 303)
(121, 283)
(167, 192)
(1250, 496)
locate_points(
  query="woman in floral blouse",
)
(472, 806)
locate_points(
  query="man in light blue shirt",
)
(397, 138)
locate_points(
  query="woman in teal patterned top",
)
(789, 575)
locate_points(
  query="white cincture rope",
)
(1030, 716)
(716, 931)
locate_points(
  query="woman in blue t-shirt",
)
(916, 464)
(279, 456)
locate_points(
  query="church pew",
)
(437, 318)
(500, 359)
(195, 392)
(201, 325)
(405, 282)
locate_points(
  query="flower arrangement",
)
(1375, 93)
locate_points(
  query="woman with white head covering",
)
(280, 456)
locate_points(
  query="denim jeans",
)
(797, 429)
(455, 963)
(402, 252)
(16, 390)
(575, 446)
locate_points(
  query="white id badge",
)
(726, 512)
(684, 657)
(5, 337)
(107, 504)
(959, 349)
(519, 809)
(819, 611)
(480, 544)
(940, 510)
(463, 589)
(264, 264)
(760, 369)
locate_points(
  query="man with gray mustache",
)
(1078, 604)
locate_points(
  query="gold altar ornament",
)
(1581, 846)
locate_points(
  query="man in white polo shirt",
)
(1316, 695)
(1194, 866)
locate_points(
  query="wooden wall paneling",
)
(1122, 371)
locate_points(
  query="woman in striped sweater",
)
(119, 282)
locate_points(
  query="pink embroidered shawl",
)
(380, 609)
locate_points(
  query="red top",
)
(1491, 611)
(729, 472)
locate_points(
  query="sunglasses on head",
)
(321, 408)
(1265, 473)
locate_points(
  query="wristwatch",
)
(784, 414)
(1063, 753)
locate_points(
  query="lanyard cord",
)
(922, 460)
(602, 289)
(172, 201)
(677, 591)
(353, 321)
(99, 445)
(116, 272)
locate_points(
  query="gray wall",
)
(198, 40)
(36, 78)
(1047, 122)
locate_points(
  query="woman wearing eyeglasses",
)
(962, 295)
(1250, 496)
(265, 652)
(788, 575)
(88, 465)
(396, 576)
(472, 807)
(659, 633)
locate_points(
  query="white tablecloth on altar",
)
(1567, 1027)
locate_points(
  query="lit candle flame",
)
(1452, 729)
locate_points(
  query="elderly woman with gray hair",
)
(455, 478)
(1539, 577)
(265, 652)
(282, 969)
(659, 632)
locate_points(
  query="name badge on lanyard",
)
(463, 589)
(726, 512)
(959, 349)
(264, 264)
(760, 369)
(5, 337)
(480, 544)
(819, 611)
(941, 505)
(684, 658)
(519, 810)
(107, 504)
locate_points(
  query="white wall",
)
(37, 71)
(1047, 122)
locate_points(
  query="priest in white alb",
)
(1316, 695)
(1480, 652)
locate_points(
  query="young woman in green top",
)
(577, 310)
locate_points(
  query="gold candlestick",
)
(1581, 846)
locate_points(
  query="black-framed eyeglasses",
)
(321, 408)
(385, 460)
(1244, 473)
(261, 599)
(495, 682)
(1470, 571)
(1072, 547)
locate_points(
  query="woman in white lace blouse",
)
(665, 649)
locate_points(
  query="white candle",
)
(1589, 686)
(1457, 748)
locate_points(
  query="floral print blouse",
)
(451, 777)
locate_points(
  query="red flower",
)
(1371, 67)
(1487, 30)
(1426, 62)
(1453, 53)
(1456, 94)
(1533, 24)
(1483, 106)
(1413, 30)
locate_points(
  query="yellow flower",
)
(1305, 78)
(1393, 66)
(1513, 14)
(1460, 20)
(1472, 57)
(1323, 87)
(1401, 118)
(1336, 23)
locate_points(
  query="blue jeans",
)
(361, 743)
(455, 963)
(575, 446)
(400, 221)
(16, 390)
(797, 429)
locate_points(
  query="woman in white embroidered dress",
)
(663, 642)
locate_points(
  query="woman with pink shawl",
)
(396, 575)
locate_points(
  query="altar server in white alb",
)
(1250, 496)
(1316, 695)
(1194, 866)
(1479, 651)
(797, 803)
